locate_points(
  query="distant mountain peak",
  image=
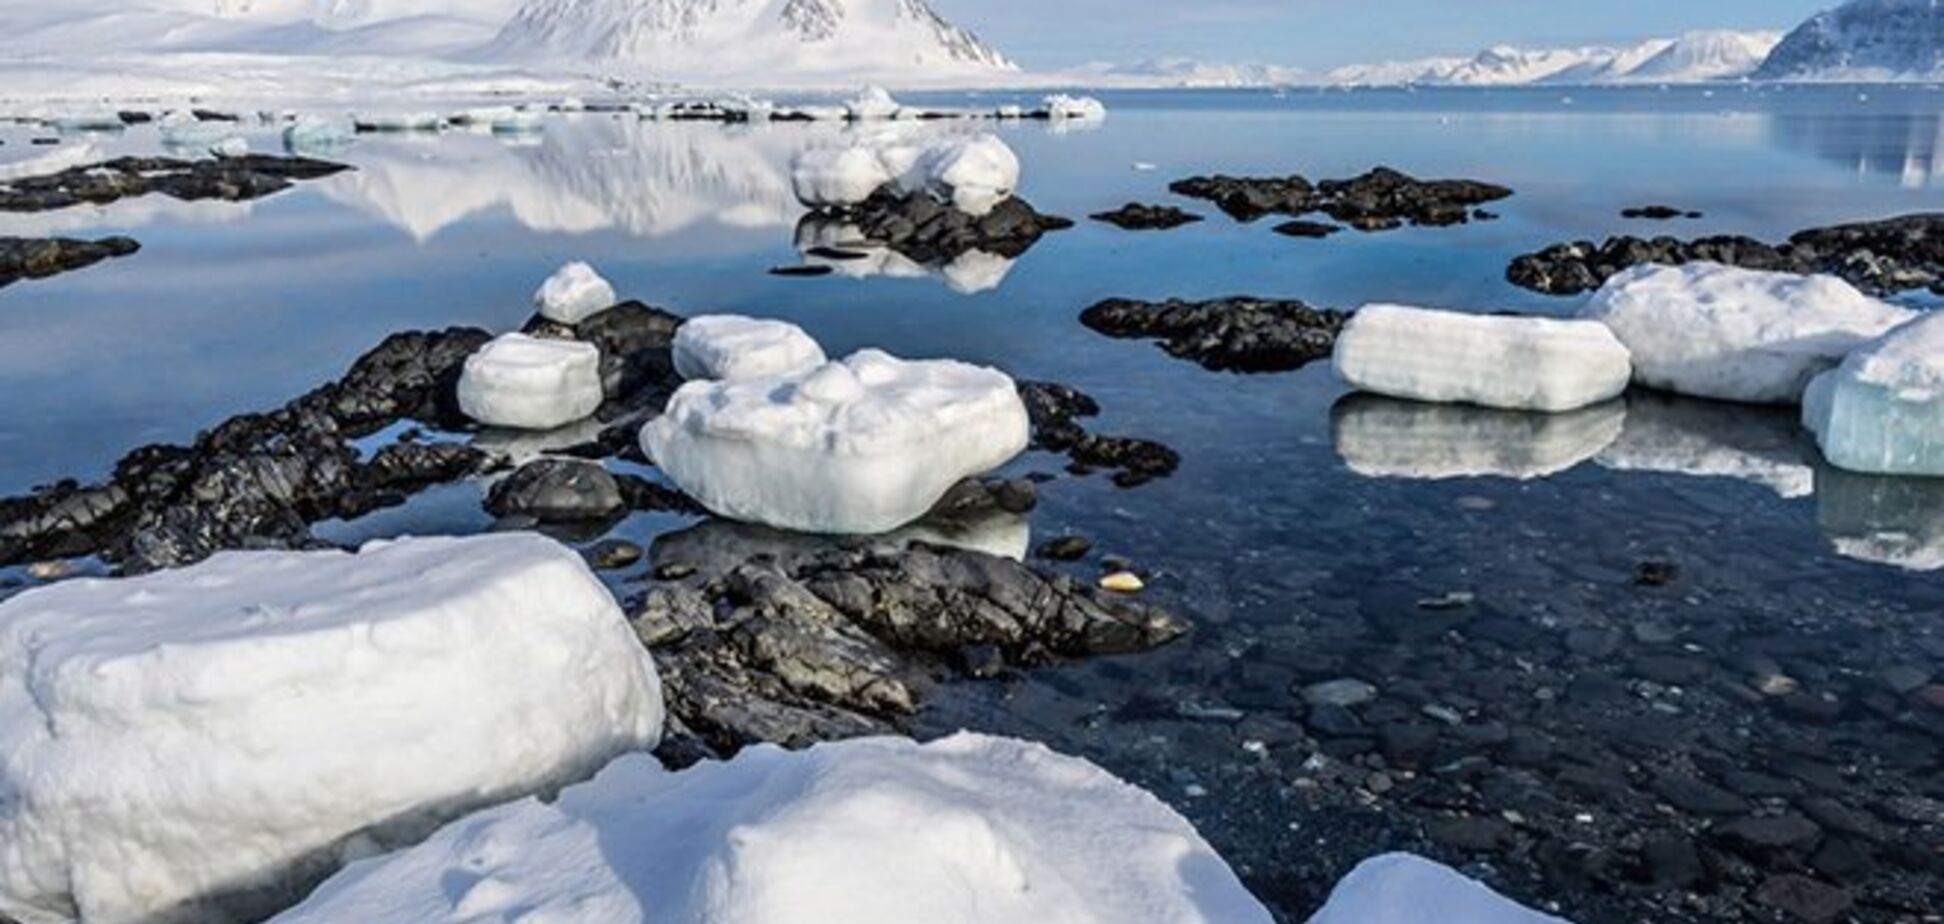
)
(1866, 40)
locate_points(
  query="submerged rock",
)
(1379, 200)
(39, 258)
(1056, 411)
(1237, 334)
(235, 179)
(1137, 217)
(1658, 213)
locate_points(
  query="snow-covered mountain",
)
(1691, 58)
(419, 27)
(1864, 40)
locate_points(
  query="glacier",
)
(527, 383)
(1535, 364)
(1882, 411)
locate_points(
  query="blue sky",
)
(1327, 33)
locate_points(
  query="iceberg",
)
(1400, 888)
(1086, 108)
(1714, 439)
(1883, 519)
(1381, 437)
(861, 446)
(573, 294)
(531, 384)
(1716, 331)
(965, 830)
(731, 348)
(204, 744)
(1533, 364)
(1882, 411)
(183, 130)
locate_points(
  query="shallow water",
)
(1302, 529)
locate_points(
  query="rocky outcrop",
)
(1380, 200)
(39, 258)
(1135, 216)
(934, 233)
(1225, 335)
(1056, 411)
(233, 179)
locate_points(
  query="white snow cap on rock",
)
(1399, 888)
(1062, 106)
(1882, 411)
(1716, 331)
(823, 177)
(967, 830)
(861, 446)
(729, 347)
(873, 103)
(531, 384)
(974, 174)
(1387, 438)
(574, 293)
(170, 742)
(1535, 364)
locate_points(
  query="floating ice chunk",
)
(729, 348)
(88, 122)
(60, 159)
(966, 830)
(204, 744)
(1882, 411)
(531, 384)
(860, 446)
(974, 174)
(872, 104)
(183, 130)
(1062, 106)
(825, 177)
(1533, 364)
(1716, 331)
(574, 293)
(313, 133)
(1009, 111)
(1386, 438)
(232, 146)
(1694, 436)
(1885, 519)
(1400, 888)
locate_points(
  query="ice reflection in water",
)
(1387, 438)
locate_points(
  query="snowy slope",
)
(254, 26)
(1690, 58)
(1864, 40)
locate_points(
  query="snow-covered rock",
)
(1888, 520)
(1863, 40)
(1400, 888)
(203, 744)
(1534, 364)
(231, 146)
(727, 347)
(574, 293)
(975, 174)
(1062, 106)
(1716, 331)
(967, 830)
(1712, 439)
(317, 134)
(531, 384)
(1387, 438)
(874, 103)
(1882, 411)
(56, 160)
(860, 446)
(835, 177)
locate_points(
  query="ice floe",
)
(729, 348)
(1504, 362)
(1882, 411)
(531, 384)
(1387, 438)
(574, 293)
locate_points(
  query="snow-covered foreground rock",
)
(1714, 439)
(1388, 438)
(1716, 331)
(974, 173)
(1399, 888)
(860, 446)
(1882, 411)
(967, 830)
(1883, 519)
(728, 347)
(1514, 363)
(527, 383)
(203, 744)
(573, 294)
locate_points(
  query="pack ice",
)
(1400, 888)
(1882, 411)
(966, 830)
(1386, 438)
(527, 383)
(574, 293)
(1716, 331)
(202, 745)
(1534, 364)
(730, 347)
(860, 446)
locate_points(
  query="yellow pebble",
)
(1123, 582)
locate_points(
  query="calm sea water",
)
(1294, 510)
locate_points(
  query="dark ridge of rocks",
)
(39, 258)
(234, 179)
(1380, 200)
(1658, 213)
(789, 639)
(934, 233)
(134, 117)
(808, 270)
(1135, 216)
(1306, 229)
(1880, 257)
(1235, 334)
(1056, 411)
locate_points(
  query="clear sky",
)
(1326, 33)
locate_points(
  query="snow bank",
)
(1716, 331)
(1387, 438)
(1514, 363)
(1882, 411)
(574, 293)
(1400, 888)
(729, 347)
(854, 447)
(531, 384)
(1062, 106)
(967, 830)
(873, 104)
(57, 160)
(825, 177)
(1713, 439)
(974, 174)
(170, 742)
(1888, 520)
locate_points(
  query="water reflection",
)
(1688, 436)
(1386, 438)
(1905, 147)
(720, 544)
(843, 247)
(1894, 521)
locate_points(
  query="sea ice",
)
(574, 293)
(204, 744)
(1716, 331)
(1882, 518)
(1400, 888)
(531, 384)
(860, 446)
(1882, 411)
(1714, 439)
(966, 830)
(730, 348)
(874, 103)
(1387, 438)
(975, 174)
(1514, 363)
(843, 176)
(1062, 106)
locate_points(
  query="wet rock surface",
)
(1135, 216)
(1056, 412)
(558, 491)
(1235, 334)
(39, 258)
(232, 179)
(931, 232)
(1879, 257)
(1658, 213)
(1380, 200)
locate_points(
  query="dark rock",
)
(1691, 795)
(1670, 861)
(1803, 898)
(1307, 229)
(1231, 334)
(1658, 213)
(1247, 199)
(812, 269)
(613, 555)
(251, 176)
(557, 491)
(132, 117)
(1137, 217)
(1471, 833)
(1769, 833)
(933, 233)
(1056, 411)
(1380, 200)
(1066, 548)
(1334, 721)
(39, 258)
(1656, 573)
